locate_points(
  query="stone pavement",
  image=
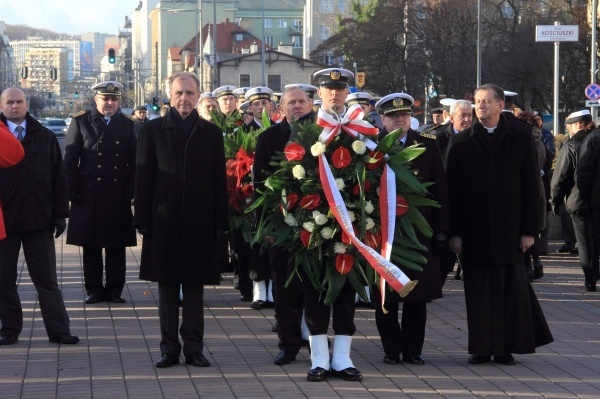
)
(119, 345)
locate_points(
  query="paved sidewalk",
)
(119, 345)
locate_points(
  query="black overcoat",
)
(502, 183)
(100, 165)
(181, 195)
(429, 168)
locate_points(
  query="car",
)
(58, 127)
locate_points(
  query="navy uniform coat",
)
(181, 196)
(428, 167)
(100, 165)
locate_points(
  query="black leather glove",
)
(145, 230)
(129, 194)
(60, 224)
(556, 209)
(439, 243)
(75, 197)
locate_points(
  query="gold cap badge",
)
(398, 101)
(335, 75)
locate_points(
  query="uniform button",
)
(115, 167)
(99, 166)
(117, 154)
(99, 178)
(117, 142)
(115, 179)
(99, 154)
(100, 142)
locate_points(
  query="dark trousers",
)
(567, 231)
(447, 259)
(192, 318)
(288, 301)
(406, 337)
(40, 255)
(584, 232)
(318, 314)
(93, 269)
(241, 261)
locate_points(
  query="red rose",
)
(247, 190)
(401, 205)
(344, 263)
(377, 156)
(294, 152)
(373, 239)
(310, 202)
(356, 188)
(291, 201)
(305, 237)
(341, 158)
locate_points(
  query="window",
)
(268, 23)
(326, 6)
(296, 41)
(327, 58)
(239, 37)
(282, 23)
(297, 23)
(274, 82)
(244, 79)
(324, 32)
(269, 40)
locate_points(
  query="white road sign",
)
(592, 103)
(556, 33)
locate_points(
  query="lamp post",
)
(478, 82)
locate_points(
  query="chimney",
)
(253, 48)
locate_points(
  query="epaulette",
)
(75, 115)
(428, 135)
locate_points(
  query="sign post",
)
(556, 33)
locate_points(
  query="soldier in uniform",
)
(226, 99)
(240, 95)
(437, 116)
(259, 99)
(100, 164)
(408, 338)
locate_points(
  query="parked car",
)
(58, 126)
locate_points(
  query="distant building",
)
(8, 68)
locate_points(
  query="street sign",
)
(592, 91)
(360, 79)
(556, 33)
(592, 103)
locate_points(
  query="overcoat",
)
(502, 183)
(100, 165)
(181, 196)
(429, 168)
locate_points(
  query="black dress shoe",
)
(414, 359)
(65, 339)
(93, 298)
(348, 374)
(269, 304)
(564, 250)
(391, 359)
(9, 339)
(275, 327)
(317, 374)
(284, 357)
(479, 359)
(258, 305)
(197, 359)
(114, 298)
(246, 298)
(305, 342)
(167, 360)
(507, 360)
(590, 287)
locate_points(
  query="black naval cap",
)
(436, 111)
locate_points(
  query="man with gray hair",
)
(181, 212)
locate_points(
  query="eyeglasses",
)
(109, 98)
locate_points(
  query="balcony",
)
(296, 30)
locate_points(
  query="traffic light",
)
(155, 103)
(24, 72)
(111, 55)
(53, 73)
(76, 94)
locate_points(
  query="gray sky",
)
(68, 16)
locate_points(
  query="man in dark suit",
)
(181, 211)
(35, 205)
(296, 106)
(100, 165)
(493, 181)
(408, 338)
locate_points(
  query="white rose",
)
(352, 217)
(340, 184)
(327, 233)
(317, 149)
(308, 226)
(290, 220)
(359, 147)
(320, 219)
(370, 224)
(369, 207)
(298, 172)
(339, 248)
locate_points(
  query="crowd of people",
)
(480, 161)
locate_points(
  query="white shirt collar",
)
(12, 126)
